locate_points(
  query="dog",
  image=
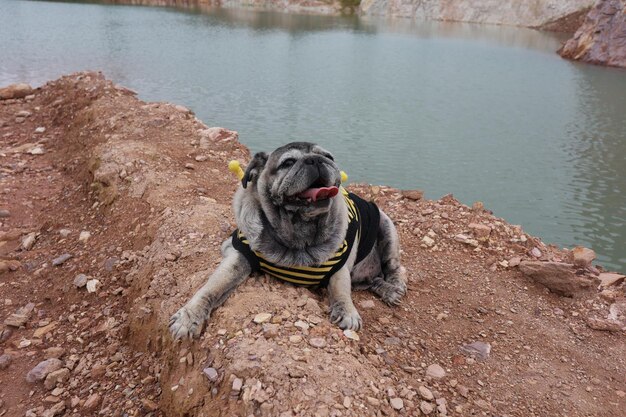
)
(296, 223)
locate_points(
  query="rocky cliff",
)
(549, 14)
(602, 37)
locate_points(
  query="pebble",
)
(80, 280)
(479, 350)
(37, 150)
(5, 361)
(189, 165)
(428, 241)
(373, 401)
(317, 342)
(4, 213)
(54, 352)
(351, 334)
(84, 236)
(262, 318)
(535, 252)
(425, 393)
(42, 369)
(295, 339)
(237, 384)
(397, 403)
(55, 410)
(211, 374)
(413, 194)
(92, 402)
(302, 325)
(61, 259)
(28, 241)
(40, 129)
(92, 285)
(21, 316)
(426, 407)
(65, 232)
(435, 371)
(367, 304)
(55, 377)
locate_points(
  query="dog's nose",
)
(314, 160)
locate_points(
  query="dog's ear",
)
(254, 168)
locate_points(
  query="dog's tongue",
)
(319, 193)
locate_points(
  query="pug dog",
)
(296, 223)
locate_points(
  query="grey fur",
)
(290, 233)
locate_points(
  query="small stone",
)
(559, 277)
(479, 350)
(65, 232)
(295, 339)
(61, 259)
(478, 206)
(189, 165)
(535, 252)
(367, 304)
(608, 279)
(435, 371)
(425, 393)
(171, 257)
(4, 213)
(40, 129)
(481, 231)
(397, 403)
(620, 393)
(92, 402)
(54, 352)
(482, 404)
(375, 402)
(302, 325)
(42, 369)
(466, 240)
(317, 342)
(81, 280)
(262, 318)
(201, 158)
(347, 402)
(426, 407)
(28, 241)
(211, 374)
(237, 384)
(5, 361)
(13, 91)
(37, 150)
(42, 331)
(84, 236)
(149, 404)
(414, 195)
(582, 257)
(515, 261)
(21, 316)
(351, 334)
(428, 241)
(270, 331)
(92, 285)
(56, 410)
(55, 377)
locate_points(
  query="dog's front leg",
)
(342, 310)
(232, 271)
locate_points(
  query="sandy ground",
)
(138, 194)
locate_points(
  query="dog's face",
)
(299, 177)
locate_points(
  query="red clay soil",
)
(146, 186)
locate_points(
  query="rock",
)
(425, 393)
(367, 304)
(61, 259)
(21, 316)
(42, 331)
(535, 252)
(466, 239)
(478, 206)
(56, 410)
(4, 213)
(98, 370)
(375, 402)
(317, 342)
(481, 231)
(262, 318)
(149, 404)
(42, 369)
(600, 39)
(40, 129)
(435, 371)
(189, 166)
(413, 194)
(236, 387)
(28, 241)
(479, 350)
(54, 352)
(13, 91)
(23, 113)
(515, 261)
(11, 265)
(211, 374)
(351, 334)
(81, 280)
(55, 377)
(295, 339)
(582, 257)
(92, 285)
(558, 277)
(426, 407)
(84, 236)
(65, 232)
(608, 279)
(428, 241)
(396, 403)
(5, 361)
(270, 330)
(92, 403)
(302, 325)
(37, 150)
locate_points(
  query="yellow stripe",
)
(295, 274)
(295, 281)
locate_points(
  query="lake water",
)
(484, 112)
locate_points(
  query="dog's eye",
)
(329, 156)
(287, 163)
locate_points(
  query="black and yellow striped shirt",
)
(363, 224)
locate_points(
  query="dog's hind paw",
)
(186, 324)
(345, 318)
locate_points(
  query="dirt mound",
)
(137, 197)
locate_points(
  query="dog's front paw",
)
(345, 317)
(186, 323)
(392, 293)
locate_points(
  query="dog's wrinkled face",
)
(298, 177)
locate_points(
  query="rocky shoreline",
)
(112, 211)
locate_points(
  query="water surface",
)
(484, 112)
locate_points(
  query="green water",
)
(484, 112)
